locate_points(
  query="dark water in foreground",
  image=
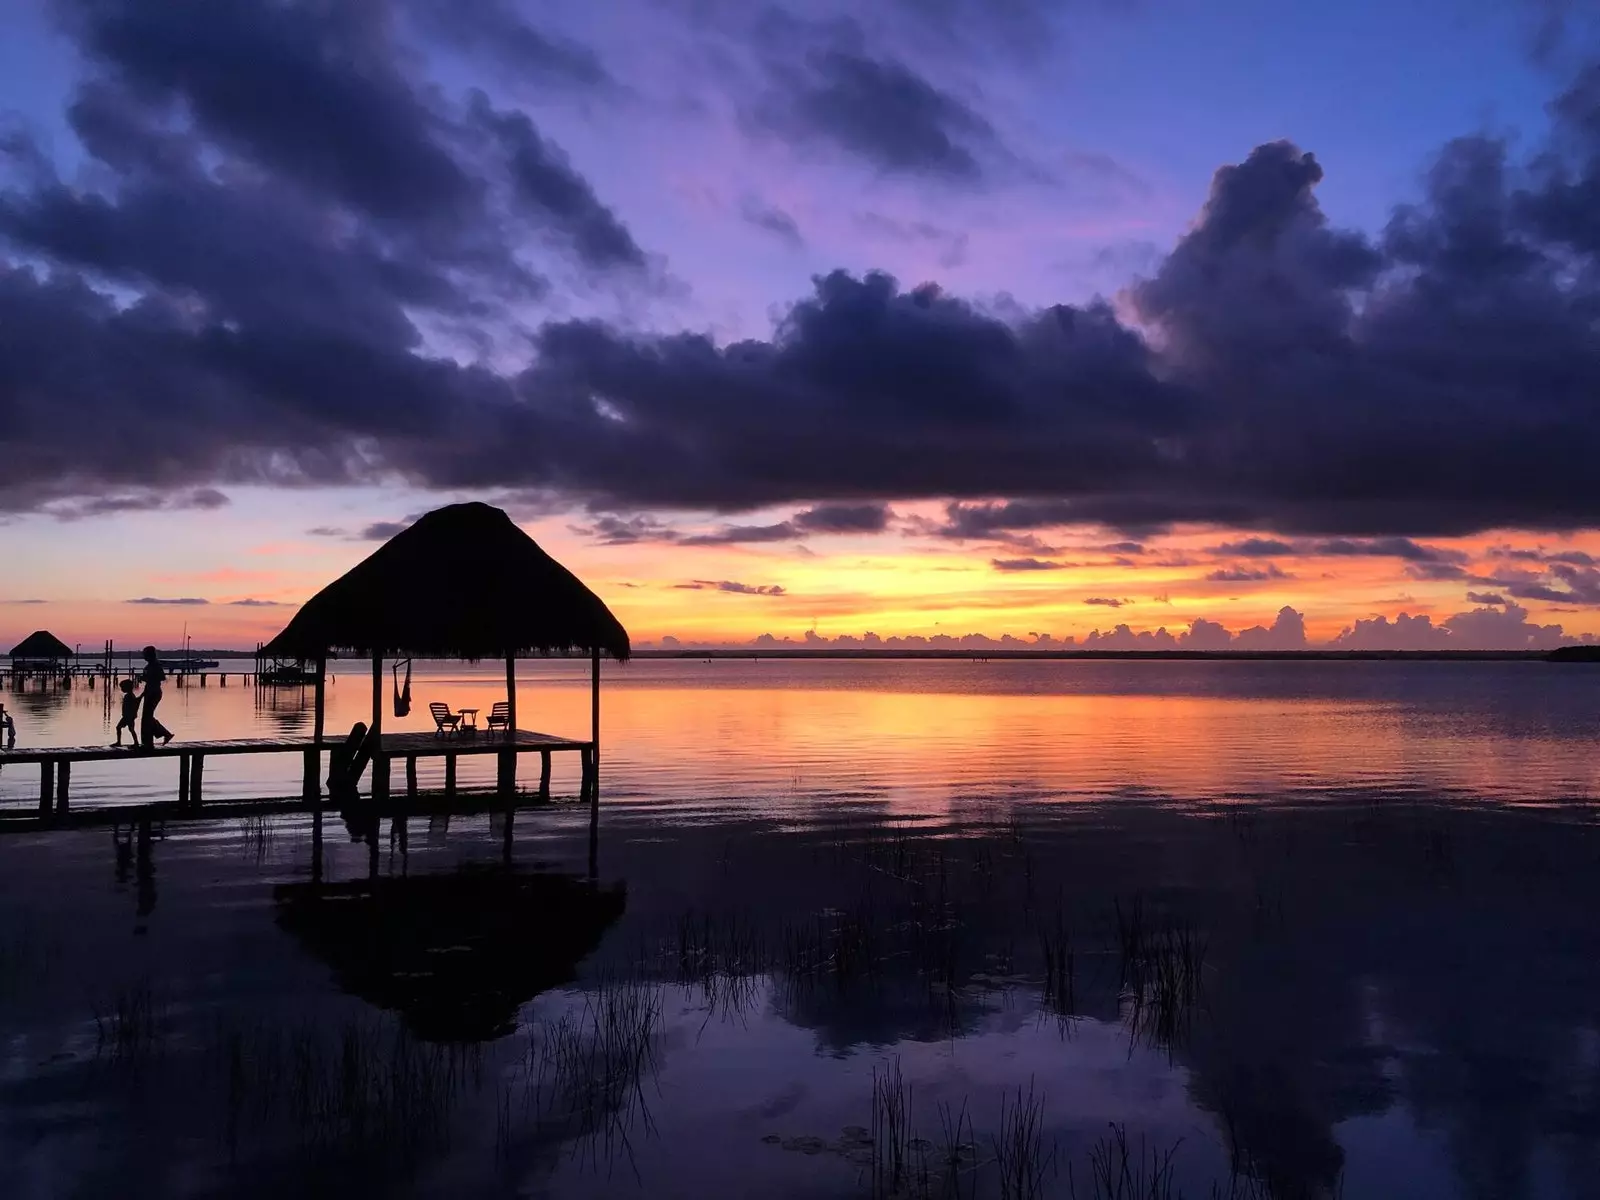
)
(1289, 929)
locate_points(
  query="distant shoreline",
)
(1062, 655)
(932, 654)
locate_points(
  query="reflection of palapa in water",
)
(455, 955)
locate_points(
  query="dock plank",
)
(423, 745)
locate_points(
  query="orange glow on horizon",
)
(903, 582)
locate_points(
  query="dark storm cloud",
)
(545, 182)
(1238, 574)
(239, 303)
(771, 219)
(1436, 571)
(880, 110)
(347, 193)
(732, 586)
(199, 499)
(1565, 584)
(730, 535)
(493, 28)
(612, 530)
(310, 91)
(1575, 557)
(1252, 548)
(844, 518)
(1026, 564)
(1385, 547)
(382, 531)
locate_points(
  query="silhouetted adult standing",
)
(153, 678)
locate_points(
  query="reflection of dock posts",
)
(310, 785)
(506, 781)
(311, 788)
(401, 821)
(592, 762)
(316, 844)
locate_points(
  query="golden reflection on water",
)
(939, 739)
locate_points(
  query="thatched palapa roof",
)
(41, 644)
(463, 582)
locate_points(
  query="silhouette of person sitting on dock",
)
(130, 713)
(153, 678)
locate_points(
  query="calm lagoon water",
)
(1278, 929)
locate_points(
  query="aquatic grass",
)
(586, 1069)
(958, 1152)
(1020, 1155)
(723, 958)
(1060, 968)
(258, 836)
(893, 1171)
(1119, 1171)
(1161, 974)
(128, 1023)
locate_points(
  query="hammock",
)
(402, 697)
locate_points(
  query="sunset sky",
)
(1021, 318)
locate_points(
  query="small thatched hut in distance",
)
(462, 582)
(40, 651)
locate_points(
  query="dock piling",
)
(63, 782)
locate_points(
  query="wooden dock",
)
(55, 764)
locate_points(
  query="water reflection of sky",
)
(918, 738)
(1395, 994)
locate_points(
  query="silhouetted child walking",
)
(130, 714)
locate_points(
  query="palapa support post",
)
(376, 728)
(544, 775)
(380, 762)
(594, 737)
(63, 783)
(47, 787)
(411, 777)
(197, 774)
(506, 782)
(183, 780)
(319, 716)
(450, 776)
